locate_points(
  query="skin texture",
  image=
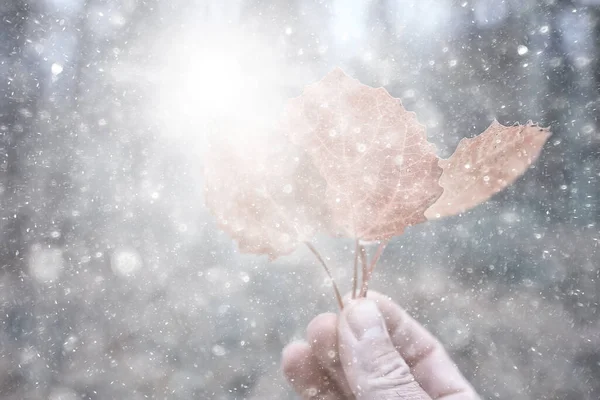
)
(373, 350)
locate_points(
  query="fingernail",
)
(365, 320)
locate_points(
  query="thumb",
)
(373, 367)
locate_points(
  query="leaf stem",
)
(363, 261)
(369, 271)
(338, 296)
(355, 276)
(380, 249)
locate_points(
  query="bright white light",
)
(205, 86)
(212, 80)
(210, 85)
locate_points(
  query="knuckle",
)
(390, 371)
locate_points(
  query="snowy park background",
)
(115, 282)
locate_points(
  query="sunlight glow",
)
(211, 85)
(226, 86)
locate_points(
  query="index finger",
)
(429, 362)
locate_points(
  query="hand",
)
(374, 350)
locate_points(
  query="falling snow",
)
(116, 282)
(522, 50)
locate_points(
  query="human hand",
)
(373, 350)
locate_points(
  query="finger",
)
(429, 362)
(322, 338)
(306, 375)
(374, 368)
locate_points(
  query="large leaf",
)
(484, 165)
(381, 172)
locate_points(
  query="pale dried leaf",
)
(263, 192)
(486, 164)
(381, 172)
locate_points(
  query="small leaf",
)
(484, 165)
(263, 192)
(381, 172)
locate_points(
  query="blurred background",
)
(114, 280)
